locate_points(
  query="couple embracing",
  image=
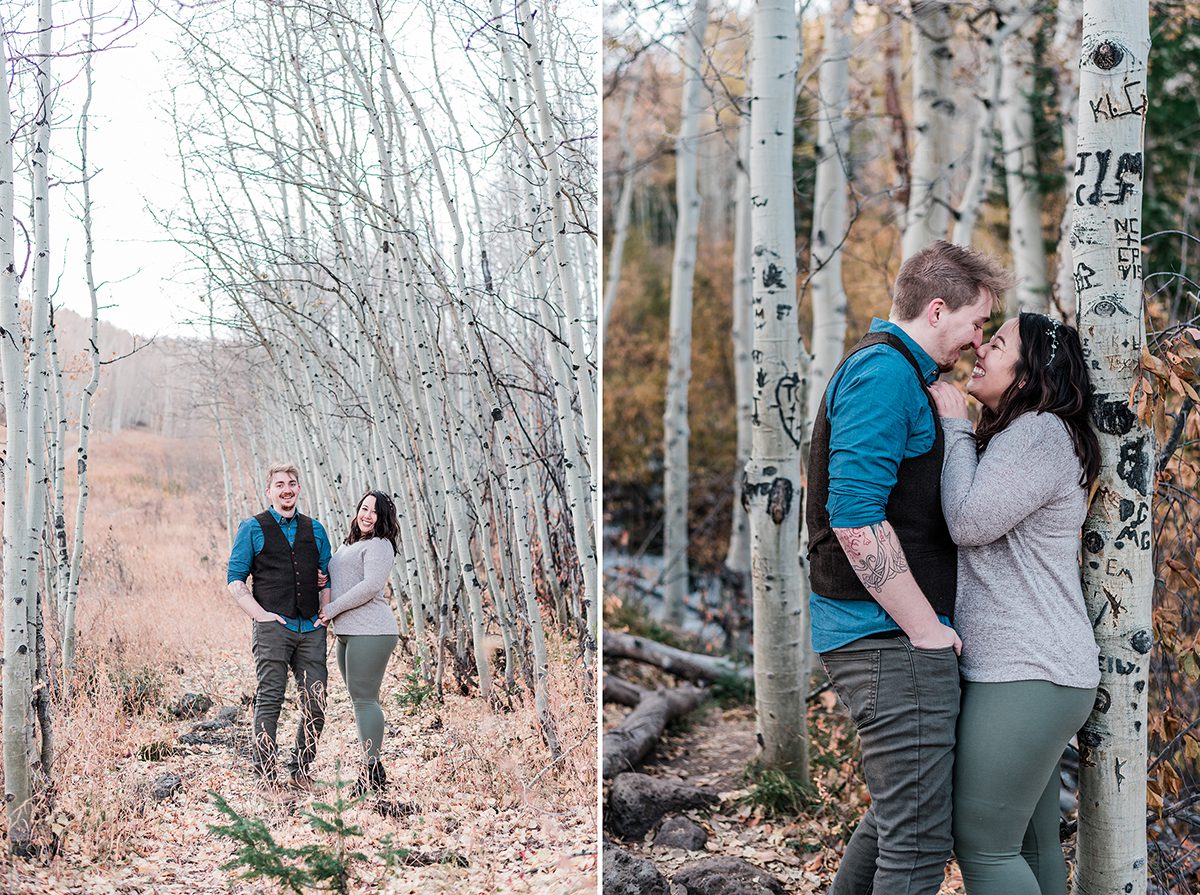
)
(947, 607)
(298, 589)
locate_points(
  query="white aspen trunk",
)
(933, 126)
(737, 558)
(676, 429)
(541, 663)
(17, 672)
(40, 387)
(1021, 174)
(57, 580)
(1065, 49)
(624, 204)
(772, 482)
(546, 563)
(1118, 567)
(829, 207)
(504, 603)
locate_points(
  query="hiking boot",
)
(371, 778)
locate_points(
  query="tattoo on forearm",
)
(875, 554)
(239, 589)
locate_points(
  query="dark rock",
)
(679, 832)
(165, 786)
(636, 802)
(726, 876)
(625, 874)
(190, 705)
(229, 713)
(214, 724)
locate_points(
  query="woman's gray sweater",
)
(1016, 514)
(358, 575)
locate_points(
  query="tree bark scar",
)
(1088, 741)
(1107, 56)
(1141, 641)
(779, 502)
(1134, 465)
(1112, 417)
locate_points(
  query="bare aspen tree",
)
(771, 487)
(676, 428)
(933, 125)
(829, 205)
(18, 654)
(624, 205)
(737, 558)
(41, 337)
(1118, 573)
(1020, 170)
(70, 597)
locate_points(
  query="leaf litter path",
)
(462, 772)
(712, 749)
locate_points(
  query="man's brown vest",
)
(914, 510)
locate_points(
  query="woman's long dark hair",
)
(386, 524)
(1050, 376)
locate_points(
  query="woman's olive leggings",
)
(1010, 738)
(362, 659)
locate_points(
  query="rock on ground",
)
(625, 874)
(726, 876)
(190, 705)
(679, 832)
(165, 786)
(636, 802)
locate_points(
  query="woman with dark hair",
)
(363, 621)
(1015, 494)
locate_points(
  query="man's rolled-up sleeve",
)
(242, 554)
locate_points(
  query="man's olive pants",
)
(904, 702)
(276, 651)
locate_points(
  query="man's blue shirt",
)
(248, 543)
(878, 416)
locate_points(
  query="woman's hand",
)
(322, 617)
(950, 401)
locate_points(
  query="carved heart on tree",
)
(787, 399)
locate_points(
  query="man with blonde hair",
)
(884, 569)
(283, 551)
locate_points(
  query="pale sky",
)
(132, 146)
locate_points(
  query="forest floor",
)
(155, 623)
(795, 836)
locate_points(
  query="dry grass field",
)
(155, 622)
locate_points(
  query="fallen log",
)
(695, 667)
(626, 745)
(621, 692)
